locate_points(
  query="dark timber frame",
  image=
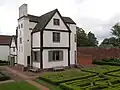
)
(41, 40)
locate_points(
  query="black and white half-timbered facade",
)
(45, 41)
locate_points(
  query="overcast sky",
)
(97, 16)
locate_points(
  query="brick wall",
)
(96, 53)
(99, 53)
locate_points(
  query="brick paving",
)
(27, 78)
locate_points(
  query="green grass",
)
(21, 85)
(48, 85)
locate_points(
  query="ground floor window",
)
(36, 56)
(55, 55)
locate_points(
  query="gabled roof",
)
(33, 18)
(44, 19)
(15, 38)
(5, 39)
(68, 20)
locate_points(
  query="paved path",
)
(6, 81)
(27, 79)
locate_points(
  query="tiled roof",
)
(5, 39)
(42, 20)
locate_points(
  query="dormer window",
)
(56, 21)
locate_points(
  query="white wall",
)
(36, 64)
(36, 39)
(26, 40)
(73, 44)
(47, 64)
(13, 45)
(4, 52)
(48, 39)
(51, 26)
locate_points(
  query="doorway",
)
(28, 61)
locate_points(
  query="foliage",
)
(92, 40)
(85, 40)
(110, 61)
(64, 76)
(3, 77)
(110, 42)
(116, 30)
(102, 69)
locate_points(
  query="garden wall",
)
(96, 53)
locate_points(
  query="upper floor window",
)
(75, 37)
(13, 49)
(21, 25)
(20, 32)
(56, 21)
(20, 40)
(56, 37)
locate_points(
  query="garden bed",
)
(102, 69)
(3, 77)
(64, 76)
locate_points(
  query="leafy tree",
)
(84, 40)
(116, 32)
(92, 40)
(110, 42)
(81, 38)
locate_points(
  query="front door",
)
(28, 61)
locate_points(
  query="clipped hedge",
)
(3, 77)
(3, 62)
(53, 81)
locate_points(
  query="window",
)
(55, 55)
(19, 48)
(20, 40)
(21, 25)
(75, 37)
(20, 33)
(36, 56)
(13, 49)
(56, 37)
(56, 21)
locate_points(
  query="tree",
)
(110, 42)
(92, 40)
(82, 40)
(116, 32)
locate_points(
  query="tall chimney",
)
(23, 10)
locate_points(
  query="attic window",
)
(56, 21)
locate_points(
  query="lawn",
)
(19, 85)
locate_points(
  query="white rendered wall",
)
(47, 64)
(59, 27)
(36, 64)
(4, 52)
(36, 39)
(73, 44)
(48, 39)
(13, 45)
